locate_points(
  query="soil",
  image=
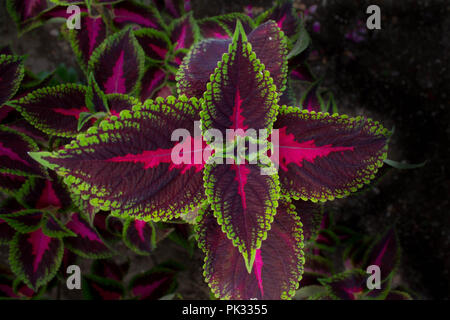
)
(398, 75)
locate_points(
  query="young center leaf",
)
(323, 156)
(277, 268)
(11, 74)
(35, 257)
(267, 42)
(125, 165)
(118, 63)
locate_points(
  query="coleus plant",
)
(247, 224)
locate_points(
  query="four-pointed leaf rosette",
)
(247, 226)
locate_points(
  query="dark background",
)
(398, 75)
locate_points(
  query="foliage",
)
(104, 175)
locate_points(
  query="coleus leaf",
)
(134, 13)
(6, 286)
(352, 285)
(267, 42)
(107, 268)
(114, 225)
(139, 236)
(101, 225)
(96, 100)
(244, 217)
(11, 74)
(85, 40)
(118, 63)
(153, 284)
(7, 206)
(10, 183)
(241, 93)
(98, 288)
(35, 257)
(384, 253)
(24, 221)
(310, 100)
(286, 18)
(176, 8)
(323, 156)
(222, 27)
(349, 285)
(23, 10)
(126, 166)
(41, 193)
(153, 80)
(184, 32)
(156, 44)
(55, 110)
(14, 158)
(277, 268)
(53, 227)
(88, 242)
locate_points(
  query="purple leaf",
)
(184, 32)
(277, 268)
(322, 156)
(10, 183)
(245, 218)
(133, 13)
(286, 18)
(45, 193)
(310, 100)
(311, 216)
(53, 227)
(35, 258)
(24, 221)
(118, 63)
(155, 44)
(241, 94)
(14, 158)
(86, 39)
(154, 79)
(153, 284)
(348, 285)
(22, 10)
(98, 288)
(139, 236)
(267, 43)
(88, 242)
(384, 253)
(124, 164)
(11, 74)
(55, 110)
